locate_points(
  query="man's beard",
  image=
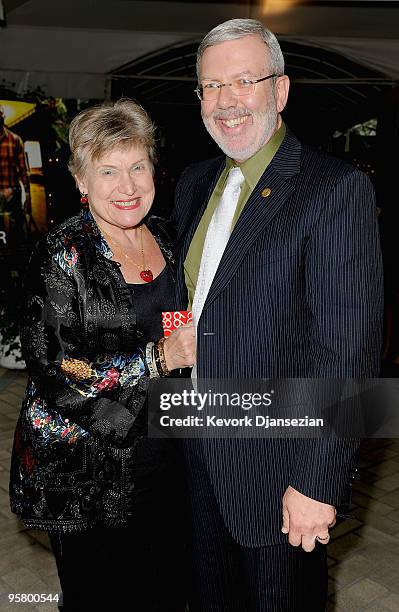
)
(267, 119)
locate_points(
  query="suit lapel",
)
(203, 190)
(279, 177)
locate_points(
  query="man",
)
(291, 288)
(13, 173)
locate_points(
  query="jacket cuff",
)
(325, 469)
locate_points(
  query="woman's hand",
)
(180, 348)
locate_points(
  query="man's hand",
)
(305, 519)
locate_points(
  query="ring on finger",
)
(323, 540)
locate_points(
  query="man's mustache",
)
(229, 114)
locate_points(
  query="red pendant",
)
(147, 276)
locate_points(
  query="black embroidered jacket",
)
(76, 434)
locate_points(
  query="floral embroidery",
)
(67, 258)
(28, 461)
(77, 369)
(71, 257)
(35, 300)
(109, 381)
(53, 428)
(37, 433)
(100, 275)
(56, 280)
(89, 227)
(106, 310)
(131, 373)
(106, 374)
(64, 312)
(34, 337)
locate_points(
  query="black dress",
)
(155, 459)
(142, 565)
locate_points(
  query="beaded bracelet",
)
(157, 360)
(160, 357)
(149, 356)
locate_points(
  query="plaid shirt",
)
(12, 161)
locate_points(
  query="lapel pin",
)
(266, 192)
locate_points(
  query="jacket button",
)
(266, 192)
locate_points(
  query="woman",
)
(82, 466)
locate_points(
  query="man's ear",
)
(281, 89)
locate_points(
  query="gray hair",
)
(238, 28)
(100, 129)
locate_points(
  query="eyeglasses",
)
(239, 87)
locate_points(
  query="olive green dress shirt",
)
(252, 169)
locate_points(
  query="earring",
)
(83, 198)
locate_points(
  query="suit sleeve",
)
(176, 216)
(344, 288)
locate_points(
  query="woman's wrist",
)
(150, 360)
(160, 360)
(155, 359)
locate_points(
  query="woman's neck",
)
(123, 236)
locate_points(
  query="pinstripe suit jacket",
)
(298, 293)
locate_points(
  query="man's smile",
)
(233, 126)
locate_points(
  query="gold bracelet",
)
(161, 355)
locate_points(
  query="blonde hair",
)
(99, 129)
